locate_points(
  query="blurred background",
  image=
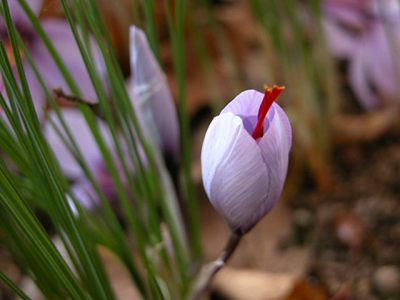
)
(335, 234)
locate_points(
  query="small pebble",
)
(302, 223)
(386, 280)
(350, 231)
(303, 217)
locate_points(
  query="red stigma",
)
(270, 96)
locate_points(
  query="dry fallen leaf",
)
(304, 290)
(245, 284)
(365, 127)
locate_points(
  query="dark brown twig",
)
(60, 95)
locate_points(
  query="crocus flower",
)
(150, 94)
(245, 157)
(63, 40)
(81, 186)
(356, 32)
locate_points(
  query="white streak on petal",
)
(85, 193)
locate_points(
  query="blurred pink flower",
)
(245, 157)
(63, 40)
(150, 94)
(357, 31)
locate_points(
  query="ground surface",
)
(347, 239)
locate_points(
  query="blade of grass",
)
(176, 29)
(149, 13)
(124, 98)
(97, 284)
(12, 286)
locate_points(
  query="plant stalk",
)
(209, 271)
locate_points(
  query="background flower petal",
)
(60, 34)
(358, 78)
(18, 13)
(36, 91)
(84, 139)
(381, 58)
(352, 13)
(341, 42)
(84, 193)
(149, 88)
(144, 67)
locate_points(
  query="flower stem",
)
(208, 272)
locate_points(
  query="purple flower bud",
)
(245, 157)
(151, 96)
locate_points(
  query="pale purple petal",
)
(4, 94)
(245, 104)
(37, 93)
(234, 174)
(84, 139)
(358, 77)
(63, 40)
(372, 65)
(149, 88)
(344, 21)
(389, 8)
(275, 146)
(85, 194)
(275, 143)
(341, 43)
(381, 60)
(18, 14)
(351, 13)
(2, 87)
(143, 114)
(105, 180)
(160, 111)
(144, 66)
(244, 177)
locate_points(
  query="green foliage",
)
(27, 186)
